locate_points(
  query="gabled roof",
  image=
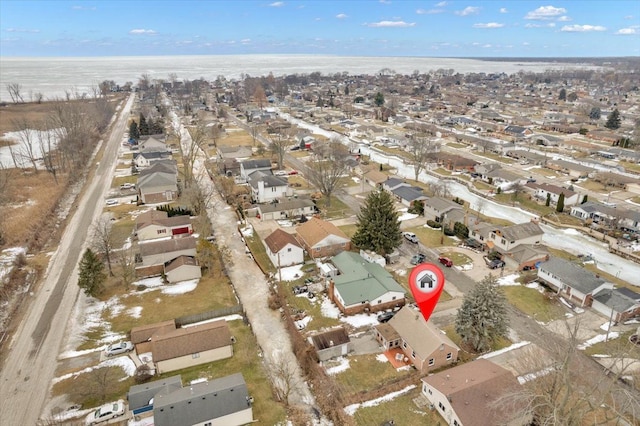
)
(143, 333)
(141, 395)
(520, 231)
(156, 179)
(270, 181)
(375, 176)
(572, 274)
(256, 164)
(361, 281)
(617, 300)
(166, 166)
(329, 339)
(151, 154)
(200, 402)
(180, 261)
(150, 216)
(146, 219)
(442, 205)
(315, 230)
(279, 239)
(527, 252)
(286, 205)
(190, 340)
(394, 182)
(423, 337)
(472, 388)
(409, 193)
(553, 189)
(167, 246)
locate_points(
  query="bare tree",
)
(327, 168)
(144, 81)
(285, 376)
(28, 136)
(216, 133)
(566, 387)
(15, 91)
(440, 188)
(190, 146)
(254, 131)
(421, 149)
(259, 97)
(516, 189)
(47, 146)
(98, 383)
(480, 206)
(279, 143)
(103, 239)
(126, 266)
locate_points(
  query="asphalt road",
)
(31, 357)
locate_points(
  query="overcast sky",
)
(340, 27)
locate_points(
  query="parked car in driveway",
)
(411, 237)
(106, 412)
(385, 316)
(495, 264)
(118, 348)
(445, 261)
(418, 258)
(112, 202)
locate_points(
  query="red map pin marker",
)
(426, 282)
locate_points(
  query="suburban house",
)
(574, 170)
(506, 238)
(320, 238)
(266, 188)
(543, 190)
(525, 256)
(185, 347)
(443, 210)
(392, 183)
(250, 166)
(464, 395)
(152, 144)
(572, 280)
(141, 397)
(619, 304)
(407, 194)
(331, 344)
(141, 335)
(423, 343)
(375, 178)
(234, 152)
(146, 159)
(362, 286)
(158, 184)
(182, 268)
(283, 249)
(596, 212)
(223, 401)
(286, 208)
(155, 224)
(455, 163)
(162, 251)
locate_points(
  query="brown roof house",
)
(189, 346)
(182, 268)
(283, 249)
(331, 344)
(157, 224)
(320, 238)
(423, 343)
(465, 395)
(141, 336)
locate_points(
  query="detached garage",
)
(182, 268)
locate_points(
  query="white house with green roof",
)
(362, 286)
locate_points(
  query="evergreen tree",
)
(134, 133)
(563, 95)
(346, 90)
(91, 276)
(548, 202)
(584, 199)
(595, 113)
(482, 318)
(560, 205)
(378, 224)
(379, 99)
(613, 122)
(143, 127)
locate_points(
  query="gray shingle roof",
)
(199, 402)
(572, 274)
(616, 300)
(140, 395)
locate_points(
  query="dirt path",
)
(31, 355)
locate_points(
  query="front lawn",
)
(365, 373)
(431, 237)
(259, 253)
(457, 258)
(402, 410)
(533, 303)
(336, 210)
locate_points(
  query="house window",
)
(289, 250)
(379, 301)
(430, 392)
(404, 345)
(481, 238)
(432, 362)
(162, 231)
(207, 424)
(441, 405)
(503, 241)
(449, 356)
(196, 355)
(413, 354)
(393, 298)
(455, 423)
(273, 189)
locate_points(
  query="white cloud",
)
(548, 25)
(564, 18)
(341, 16)
(276, 4)
(245, 41)
(503, 10)
(582, 28)
(391, 24)
(525, 43)
(142, 31)
(486, 46)
(429, 11)
(21, 30)
(385, 1)
(441, 4)
(628, 31)
(488, 25)
(83, 8)
(546, 12)
(469, 10)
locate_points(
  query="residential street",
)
(31, 359)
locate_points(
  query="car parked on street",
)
(118, 348)
(418, 258)
(411, 237)
(445, 261)
(106, 412)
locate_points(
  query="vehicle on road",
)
(293, 172)
(118, 348)
(385, 316)
(411, 237)
(106, 412)
(445, 261)
(418, 258)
